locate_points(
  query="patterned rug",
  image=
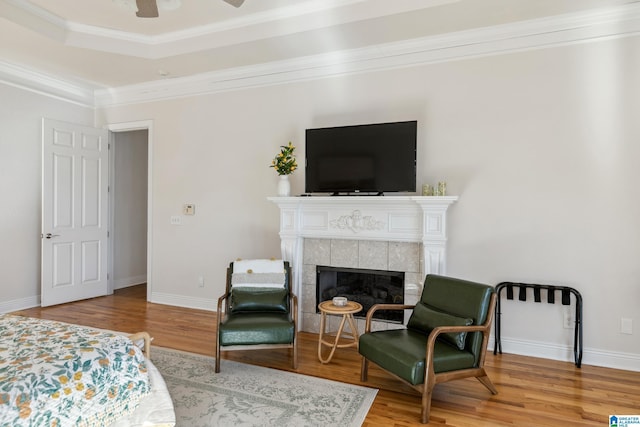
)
(245, 395)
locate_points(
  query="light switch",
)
(189, 209)
(176, 220)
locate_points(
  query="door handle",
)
(49, 236)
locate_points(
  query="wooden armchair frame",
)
(431, 378)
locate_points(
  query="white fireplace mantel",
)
(384, 218)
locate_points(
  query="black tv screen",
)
(373, 158)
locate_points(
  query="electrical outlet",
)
(626, 326)
(201, 281)
(176, 220)
(567, 319)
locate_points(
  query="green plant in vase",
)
(285, 162)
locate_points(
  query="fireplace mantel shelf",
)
(389, 218)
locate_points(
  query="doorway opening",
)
(130, 206)
(129, 225)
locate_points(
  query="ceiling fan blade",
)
(147, 9)
(236, 3)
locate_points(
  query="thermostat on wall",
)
(189, 209)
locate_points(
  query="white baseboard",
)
(590, 356)
(20, 304)
(544, 350)
(182, 301)
(130, 281)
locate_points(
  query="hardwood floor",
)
(532, 391)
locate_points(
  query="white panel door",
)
(74, 212)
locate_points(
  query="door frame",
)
(126, 127)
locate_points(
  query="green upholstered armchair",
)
(258, 309)
(445, 338)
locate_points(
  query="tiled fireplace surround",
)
(397, 233)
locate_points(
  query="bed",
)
(59, 374)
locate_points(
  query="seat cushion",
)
(425, 319)
(256, 328)
(246, 299)
(403, 351)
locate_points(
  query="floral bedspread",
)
(56, 374)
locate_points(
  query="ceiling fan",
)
(149, 8)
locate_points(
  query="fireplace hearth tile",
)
(373, 255)
(412, 285)
(311, 322)
(309, 274)
(344, 253)
(308, 299)
(317, 251)
(359, 252)
(404, 256)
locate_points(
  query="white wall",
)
(541, 146)
(21, 114)
(129, 233)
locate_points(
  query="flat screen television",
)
(372, 158)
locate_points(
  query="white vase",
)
(284, 186)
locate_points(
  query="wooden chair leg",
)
(217, 370)
(486, 381)
(364, 369)
(295, 355)
(426, 403)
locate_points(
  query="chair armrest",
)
(219, 309)
(377, 307)
(455, 329)
(294, 309)
(222, 298)
(485, 327)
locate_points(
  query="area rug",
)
(245, 395)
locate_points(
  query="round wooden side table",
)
(347, 311)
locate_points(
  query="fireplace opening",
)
(367, 287)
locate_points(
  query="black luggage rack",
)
(551, 290)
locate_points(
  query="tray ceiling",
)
(101, 44)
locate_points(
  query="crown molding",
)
(623, 21)
(47, 85)
(34, 18)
